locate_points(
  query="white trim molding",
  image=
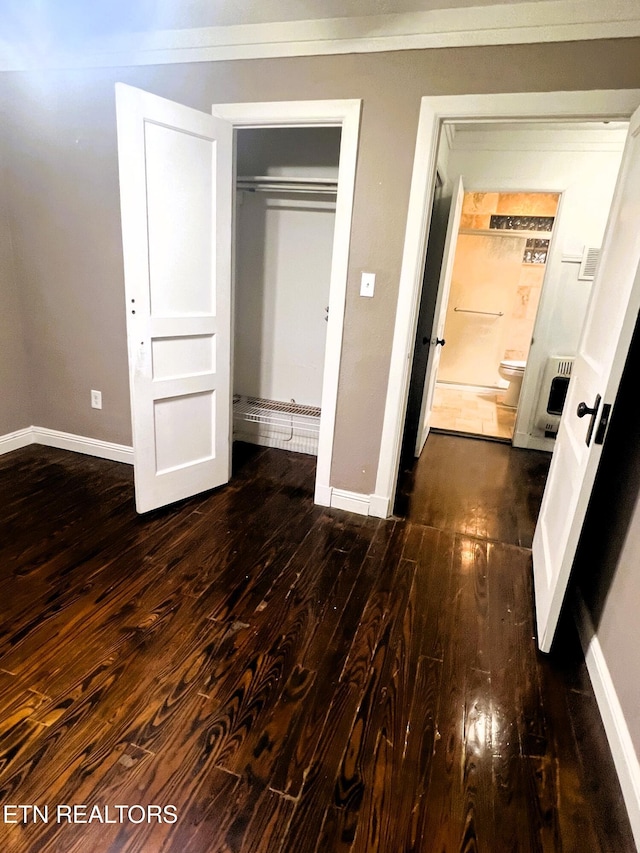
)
(322, 495)
(15, 440)
(615, 724)
(493, 24)
(83, 444)
(335, 113)
(379, 506)
(66, 441)
(596, 105)
(532, 442)
(351, 501)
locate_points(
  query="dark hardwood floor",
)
(484, 489)
(290, 679)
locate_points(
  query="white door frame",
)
(596, 105)
(335, 113)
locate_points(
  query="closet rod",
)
(281, 183)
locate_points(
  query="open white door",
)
(437, 333)
(606, 337)
(176, 168)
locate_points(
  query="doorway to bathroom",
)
(569, 170)
(498, 246)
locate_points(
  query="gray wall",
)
(62, 187)
(311, 151)
(63, 196)
(15, 408)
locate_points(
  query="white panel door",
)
(437, 333)
(176, 194)
(606, 336)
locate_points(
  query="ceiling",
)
(201, 13)
(86, 33)
(536, 136)
(26, 19)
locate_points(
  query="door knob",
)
(583, 410)
(440, 341)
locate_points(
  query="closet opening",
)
(284, 226)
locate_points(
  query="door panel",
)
(442, 300)
(605, 340)
(176, 191)
(181, 194)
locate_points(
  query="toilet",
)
(513, 372)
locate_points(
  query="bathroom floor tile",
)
(475, 412)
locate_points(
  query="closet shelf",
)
(275, 413)
(287, 184)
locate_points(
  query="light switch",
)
(367, 283)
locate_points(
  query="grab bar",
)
(488, 313)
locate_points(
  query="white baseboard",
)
(615, 725)
(351, 501)
(15, 440)
(322, 495)
(66, 441)
(83, 444)
(379, 506)
(532, 442)
(374, 505)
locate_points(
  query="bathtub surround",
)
(496, 287)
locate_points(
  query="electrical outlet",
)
(96, 399)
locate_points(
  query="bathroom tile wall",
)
(477, 209)
(485, 276)
(519, 323)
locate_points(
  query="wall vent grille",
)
(589, 264)
(552, 393)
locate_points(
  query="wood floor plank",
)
(390, 783)
(422, 739)
(460, 816)
(476, 488)
(322, 610)
(380, 715)
(511, 644)
(433, 592)
(297, 754)
(319, 784)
